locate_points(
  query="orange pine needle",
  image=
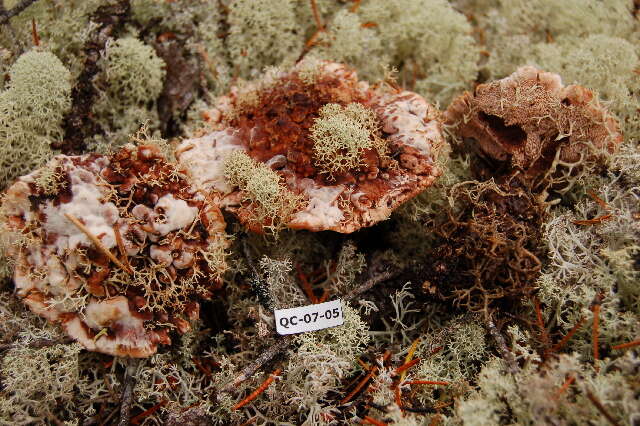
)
(356, 5)
(34, 33)
(306, 287)
(258, 391)
(358, 388)
(372, 421)
(137, 419)
(598, 200)
(316, 15)
(368, 24)
(426, 382)
(564, 386)
(407, 365)
(594, 221)
(398, 395)
(543, 330)
(594, 334)
(568, 336)
(627, 345)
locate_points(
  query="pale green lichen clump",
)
(341, 135)
(31, 112)
(271, 203)
(131, 81)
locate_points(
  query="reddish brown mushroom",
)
(381, 154)
(528, 118)
(117, 249)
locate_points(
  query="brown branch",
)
(15, 10)
(281, 344)
(128, 382)
(253, 395)
(376, 272)
(596, 402)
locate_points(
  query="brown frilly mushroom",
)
(117, 249)
(530, 119)
(272, 120)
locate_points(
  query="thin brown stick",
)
(137, 419)
(34, 33)
(316, 15)
(568, 336)
(128, 382)
(281, 344)
(594, 333)
(16, 10)
(96, 241)
(627, 345)
(544, 335)
(121, 248)
(426, 382)
(253, 395)
(596, 402)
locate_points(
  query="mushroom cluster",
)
(530, 119)
(117, 249)
(348, 152)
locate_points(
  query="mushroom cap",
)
(271, 121)
(146, 215)
(525, 118)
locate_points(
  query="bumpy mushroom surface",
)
(117, 249)
(529, 116)
(272, 120)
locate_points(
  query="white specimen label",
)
(309, 318)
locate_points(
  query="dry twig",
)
(128, 382)
(15, 10)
